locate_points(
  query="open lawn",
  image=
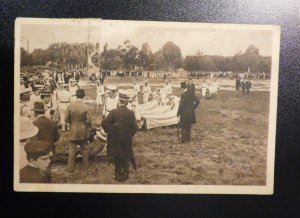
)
(228, 147)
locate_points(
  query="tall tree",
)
(172, 55)
(146, 57)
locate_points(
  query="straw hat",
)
(123, 95)
(112, 88)
(27, 129)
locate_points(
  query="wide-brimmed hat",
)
(183, 85)
(37, 148)
(112, 87)
(27, 129)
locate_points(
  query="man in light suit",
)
(79, 117)
(63, 100)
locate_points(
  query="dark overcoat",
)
(48, 130)
(186, 110)
(120, 126)
(191, 88)
(31, 174)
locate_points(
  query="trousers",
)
(186, 134)
(121, 168)
(72, 154)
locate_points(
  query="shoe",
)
(117, 179)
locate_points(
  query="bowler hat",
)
(27, 129)
(80, 93)
(183, 85)
(37, 148)
(39, 106)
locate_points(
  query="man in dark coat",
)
(186, 111)
(247, 85)
(237, 84)
(190, 86)
(79, 117)
(48, 129)
(120, 126)
(38, 155)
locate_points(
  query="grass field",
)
(228, 147)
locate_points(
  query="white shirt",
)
(110, 104)
(167, 89)
(100, 90)
(63, 96)
(147, 89)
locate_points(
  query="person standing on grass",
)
(146, 92)
(79, 117)
(100, 94)
(190, 86)
(63, 100)
(112, 100)
(237, 84)
(186, 112)
(121, 126)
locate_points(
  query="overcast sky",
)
(190, 38)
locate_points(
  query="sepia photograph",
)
(144, 107)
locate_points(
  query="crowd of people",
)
(58, 105)
(243, 84)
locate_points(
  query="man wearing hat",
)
(73, 87)
(136, 89)
(100, 94)
(25, 109)
(186, 112)
(79, 117)
(63, 100)
(48, 129)
(38, 156)
(111, 101)
(146, 92)
(27, 132)
(49, 101)
(190, 86)
(167, 87)
(120, 126)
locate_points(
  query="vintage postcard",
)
(144, 107)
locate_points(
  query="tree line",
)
(128, 57)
